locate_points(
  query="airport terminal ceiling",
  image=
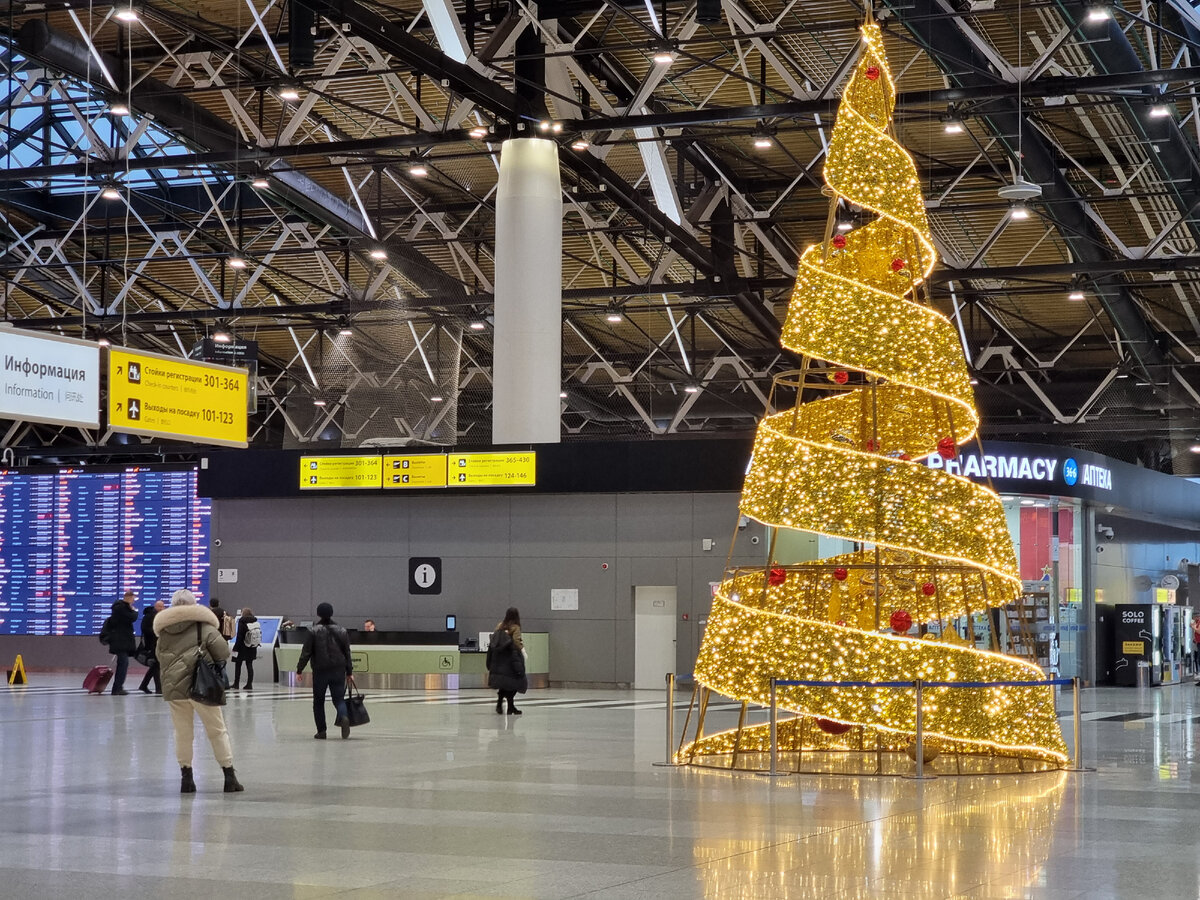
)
(319, 177)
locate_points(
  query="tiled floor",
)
(440, 797)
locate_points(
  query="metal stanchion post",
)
(669, 761)
(774, 732)
(1076, 714)
(920, 776)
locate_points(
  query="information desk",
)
(416, 660)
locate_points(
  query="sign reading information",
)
(49, 379)
(172, 397)
(492, 469)
(327, 473)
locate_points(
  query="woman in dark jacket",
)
(121, 639)
(506, 662)
(150, 639)
(242, 653)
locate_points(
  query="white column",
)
(527, 357)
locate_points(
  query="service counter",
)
(416, 660)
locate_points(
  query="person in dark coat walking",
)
(328, 646)
(150, 640)
(243, 651)
(121, 639)
(506, 662)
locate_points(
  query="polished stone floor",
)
(440, 797)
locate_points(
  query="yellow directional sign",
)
(323, 473)
(171, 397)
(492, 469)
(422, 470)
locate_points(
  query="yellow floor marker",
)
(16, 675)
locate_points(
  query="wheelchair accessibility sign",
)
(445, 662)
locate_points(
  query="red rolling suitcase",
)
(97, 679)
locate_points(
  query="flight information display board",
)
(73, 541)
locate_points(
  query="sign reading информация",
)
(49, 379)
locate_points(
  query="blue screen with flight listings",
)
(74, 540)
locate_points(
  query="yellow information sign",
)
(492, 469)
(1133, 648)
(319, 473)
(425, 470)
(149, 393)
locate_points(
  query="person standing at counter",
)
(245, 648)
(369, 625)
(328, 646)
(506, 662)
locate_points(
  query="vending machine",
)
(1137, 641)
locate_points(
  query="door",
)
(654, 636)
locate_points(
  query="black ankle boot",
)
(513, 711)
(232, 785)
(186, 784)
(500, 707)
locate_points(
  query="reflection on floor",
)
(440, 797)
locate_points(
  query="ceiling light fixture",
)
(118, 109)
(1075, 295)
(127, 14)
(1160, 111)
(104, 342)
(663, 57)
(763, 142)
(1099, 13)
(556, 127)
(954, 126)
(260, 182)
(478, 132)
(614, 317)
(417, 170)
(289, 93)
(544, 125)
(562, 395)
(436, 398)
(845, 225)
(345, 331)
(378, 254)
(690, 389)
(221, 336)
(110, 191)
(477, 326)
(237, 261)
(318, 403)
(1019, 211)
(579, 144)
(1195, 448)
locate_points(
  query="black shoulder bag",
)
(209, 682)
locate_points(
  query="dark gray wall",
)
(497, 550)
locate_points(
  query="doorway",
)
(653, 637)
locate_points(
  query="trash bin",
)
(1143, 674)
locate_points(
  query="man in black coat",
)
(150, 639)
(328, 646)
(121, 640)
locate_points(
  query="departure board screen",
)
(73, 541)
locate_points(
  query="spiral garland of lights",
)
(847, 465)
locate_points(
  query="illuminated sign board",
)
(419, 470)
(49, 379)
(171, 397)
(1023, 467)
(426, 470)
(492, 469)
(339, 472)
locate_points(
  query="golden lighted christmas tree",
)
(883, 384)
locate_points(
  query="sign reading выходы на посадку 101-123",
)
(171, 397)
(49, 379)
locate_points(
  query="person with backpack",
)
(117, 633)
(245, 648)
(328, 646)
(506, 662)
(224, 622)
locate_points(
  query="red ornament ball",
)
(898, 264)
(839, 241)
(840, 574)
(905, 456)
(831, 727)
(947, 449)
(870, 445)
(929, 589)
(900, 621)
(841, 376)
(776, 577)
(873, 73)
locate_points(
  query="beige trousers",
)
(183, 717)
